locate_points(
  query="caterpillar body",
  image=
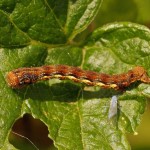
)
(24, 76)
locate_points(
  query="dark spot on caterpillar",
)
(28, 78)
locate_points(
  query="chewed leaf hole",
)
(30, 132)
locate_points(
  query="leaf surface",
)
(76, 116)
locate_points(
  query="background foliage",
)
(37, 32)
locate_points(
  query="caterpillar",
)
(24, 76)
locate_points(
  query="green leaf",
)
(125, 44)
(8, 146)
(52, 22)
(80, 15)
(76, 116)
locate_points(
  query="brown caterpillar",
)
(24, 76)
